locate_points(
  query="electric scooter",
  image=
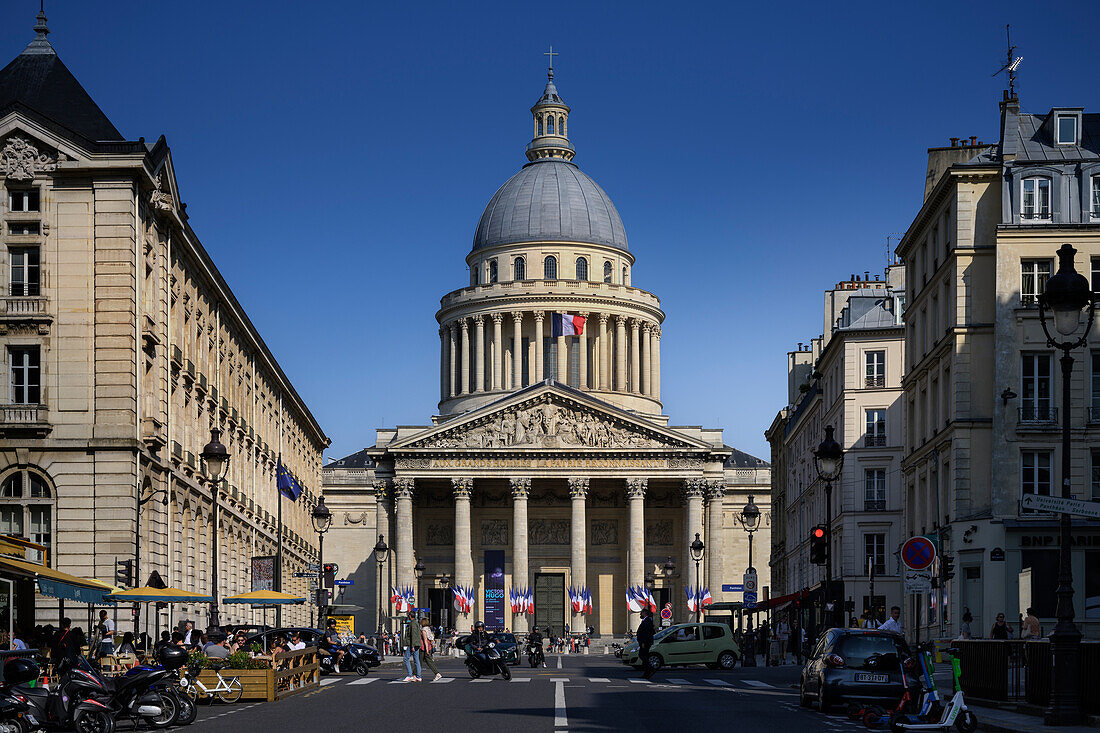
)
(954, 713)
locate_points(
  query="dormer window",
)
(1035, 201)
(1095, 197)
(1066, 130)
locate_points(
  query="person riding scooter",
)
(329, 643)
(478, 639)
(534, 648)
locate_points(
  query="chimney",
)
(954, 141)
(973, 140)
(866, 275)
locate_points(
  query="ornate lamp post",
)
(380, 553)
(445, 582)
(750, 520)
(418, 570)
(322, 520)
(697, 555)
(829, 460)
(215, 459)
(1068, 296)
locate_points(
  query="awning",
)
(265, 598)
(145, 594)
(56, 584)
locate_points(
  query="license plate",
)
(867, 677)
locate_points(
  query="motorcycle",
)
(487, 661)
(70, 705)
(135, 695)
(535, 657)
(358, 658)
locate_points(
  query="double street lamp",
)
(829, 461)
(322, 520)
(215, 459)
(1068, 296)
(697, 555)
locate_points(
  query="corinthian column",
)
(539, 315)
(655, 345)
(635, 553)
(498, 379)
(479, 353)
(635, 356)
(464, 558)
(563, 359)
(578, 494)
(647, 362)
(693, 524)
(452, 384)
(465, 356)
(716, 506)
(604, 370)
(403, 494)
(620, 353)
(517, 350)
(521, 487)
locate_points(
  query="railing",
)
(1017, 670)
(874, 505)
(24, 414)
(871, 382)
(296, 672)
(874, 441)
(23, 306)
(1038, 414)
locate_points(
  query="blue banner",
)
(494, 590)
(61, 589)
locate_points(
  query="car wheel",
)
(655, 662)
(803, 698)
(823, 701)
(727, 660)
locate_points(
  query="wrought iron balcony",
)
(1038, 415)
(874, 441)
(871, 382)
(874, 505)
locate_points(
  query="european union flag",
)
(286, 483)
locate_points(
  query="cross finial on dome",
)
(550, 70)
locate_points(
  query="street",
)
(593, 693)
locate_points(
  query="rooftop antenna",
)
(890, 258)
(1011, 63)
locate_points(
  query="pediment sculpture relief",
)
(20, 160)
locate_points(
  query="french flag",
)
(563, 324)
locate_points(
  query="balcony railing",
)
(874, 441)
(1038, 414)
(24, 419)
(871, 382)
(23, 306)
(874, 505)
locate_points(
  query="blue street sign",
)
(749, 599)
(344, 582)
(732, 587)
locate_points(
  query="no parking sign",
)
(666, 612)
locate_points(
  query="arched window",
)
(624, 276)
(519, 269)
(550, 268)
(540, 125)
(474, 274)
(550, 125)
(26, 509)
(561, 126)
(582, 268)
(606, 272)
(492, 271)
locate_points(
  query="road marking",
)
(521, 679)
(678, 681)
(641, 682)
(483, 679)
(443, 680)
(758, 683)
(363, 681)
(559, 679)
(559, 661)
(398, 682)
(719, 683)
(329, 681)
(598, 679)
(560, 718)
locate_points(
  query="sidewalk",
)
(1003, 721)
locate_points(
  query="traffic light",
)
(124, 573)
(330, 574)
(817, 545)
(948, 568)
(322, 597)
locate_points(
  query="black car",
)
(264, 638)
(854, 665)
(508, 647)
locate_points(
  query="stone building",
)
(850, 378)
(982, 388)
(550, 464)
(124, 346)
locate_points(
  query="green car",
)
(709, 644)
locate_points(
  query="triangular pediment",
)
(549, 416)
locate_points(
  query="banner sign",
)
(494, 590)
(263, 572)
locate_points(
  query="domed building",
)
(550, 467)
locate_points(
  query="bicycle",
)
(227, 690)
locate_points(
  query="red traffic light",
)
(819, 532)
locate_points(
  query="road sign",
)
(749, 599)
(1040, 503)
(345, 582)
(314, 567)
(666, 613)
(732, 587)
(918, 553)
(307, 575)
(918, 581)
(749, 581)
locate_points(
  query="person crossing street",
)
(645, 641)
(410, 642)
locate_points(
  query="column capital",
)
(657, 332)
(380, 486)
(479, 320)
(603, 318)
(620, 319)
(539, 316)
(464, 324)
(462, 487)
(403, 487)
(716, 489)
(521, 487)
(694, 488)
(498, 318)
(646, 327)
(517, 316)
(636, 488)
(443, 331)
(583, 314)
(578, 488)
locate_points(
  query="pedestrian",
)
(783, 631)
(1031, 629)
(427, 647)
(17, 642)
(893, 623)
(645, 641)
(107, 634)
(964, 627)
(190, 638)
(410, 641)
(1000, 629)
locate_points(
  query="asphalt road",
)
(587, 693)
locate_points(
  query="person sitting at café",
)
(17, 642)
(217, 649)
(296, 643)
(127, 645)
(278, 645)
(177, 639)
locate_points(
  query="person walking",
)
(894, 622)
(427, 647)
(1031, 628)
(783, 631)
(645, 641)
(964, 627)
(410, 641)
(1000, 629)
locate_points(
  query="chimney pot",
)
(954, 141)
(973, 139)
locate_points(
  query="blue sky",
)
(335, 158)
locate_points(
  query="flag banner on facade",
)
(529, 600)
(563, 324)
(633, 600)
(286, 483)
(464, 599)
(586, 600)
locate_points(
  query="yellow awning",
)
(159, 595)
(265, 598)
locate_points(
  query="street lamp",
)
(215, 459)
(445, 582)
(322, 520)
(418, 570)
(829, 460)
(697, 556)
(1067, 295)
(380, 553)
(750, 520)
(669, 568)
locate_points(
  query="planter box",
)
(294, 672)
(259, 684)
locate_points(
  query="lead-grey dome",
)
(550, 199)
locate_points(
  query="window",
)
(492, 271)
(1033, 278)
(876, 428)
(26, 509)
(582, 268)
(711, 631)
(24, 271)
(876, 369)
(1034, 473)
(607, 272)
(519, 269)
(549, 357)
(1095, 474)
(574, 354)
(26, 200)
(1094, 197)
(624, 275)
(1035, 403)
(874, 552)
(1094, 402)
(474, 278)
(874, 490)
(550, 268)
(23, 228)
(1096, 274)
(540, 125)
(25, 382)
(1035, 200)
(550, 125)
(1067, 130)
(561, 125)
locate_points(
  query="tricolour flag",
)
(692, 599)
(563, 324)
(652, 603)
(707, 599)
(633, 603)
(285, 482)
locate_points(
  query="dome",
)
(550, 199)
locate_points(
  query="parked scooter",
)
(358, 658)
(487, 661)
(933, 714)
(70, 705)
(135, 695)
(178, 707)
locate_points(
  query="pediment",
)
(551, 418)
(22, 157)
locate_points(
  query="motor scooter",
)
(535, 657)
(358, 658)
(70, 704)
(487, 661)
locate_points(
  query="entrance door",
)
(972, 598)
(550, 602)
(439, 606)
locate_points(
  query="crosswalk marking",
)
(719, 683)
(757, 683)
(598, 679)
(559, 679)
(640, 682)
(363, 681)
(483, 679)
(443, 680)
(329, 681)
(521, 679)
(678, 681)
(398, 682)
